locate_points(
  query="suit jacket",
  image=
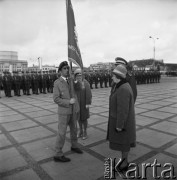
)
(62, 93)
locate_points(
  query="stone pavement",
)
(28, 127)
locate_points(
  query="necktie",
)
(67, 81)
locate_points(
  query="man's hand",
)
(72, 100)
(87, 106)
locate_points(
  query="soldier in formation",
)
(35, 82)
(146, 77)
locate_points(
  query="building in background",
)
(9, 62)
(147, 64)
(45, 68)
(101, 66)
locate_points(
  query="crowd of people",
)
(40, 82)
(72, 93)
(34, 82)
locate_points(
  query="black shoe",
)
(61, 159)
(76, 150)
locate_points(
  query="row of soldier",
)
(43, 82)
(37, 82)
(105, 78)
(146, 77)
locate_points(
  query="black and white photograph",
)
(88, 89)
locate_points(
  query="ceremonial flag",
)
(74, 54)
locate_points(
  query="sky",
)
(106, 29)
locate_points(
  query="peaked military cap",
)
(120, 60)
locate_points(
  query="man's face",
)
(65, 71)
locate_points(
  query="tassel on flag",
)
(74, 54)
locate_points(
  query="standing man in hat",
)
(129, 76)
(68, 108)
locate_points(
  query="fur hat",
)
(120, 71)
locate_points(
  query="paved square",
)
(153, 138)
(91, 168)
(10, 159)
(4, 141)
(24, 175)
(29, 125)
(31, 134)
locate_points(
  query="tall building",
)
(9, 62)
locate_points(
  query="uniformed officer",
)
(26, 81)
(91, 79)
(16, 84)
(1, 84)
(7, 84)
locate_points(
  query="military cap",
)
(120, 60)
(62, 64)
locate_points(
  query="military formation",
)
(104, 79)
(99, 79)
(27, 83)
(38, 82)
(146, 77)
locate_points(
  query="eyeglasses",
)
(66, 68)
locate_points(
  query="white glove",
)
(87, 106)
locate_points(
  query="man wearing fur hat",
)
(64, 95)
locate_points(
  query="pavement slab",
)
(96, 119)
(21, 124)
(172, 149)
(4, 141)
(10, 159)
(153, 138)
(81, 167)
(157, 114)
(11, 118)
(47, 119)
(143, 121)
(28, 174)
(30, 134)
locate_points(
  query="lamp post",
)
(154, 39)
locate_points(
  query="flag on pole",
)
(74, 54)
